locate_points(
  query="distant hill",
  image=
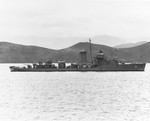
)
(98, 39)
(130, 44)
(75, 49)
(139, 53)
(14, 53)
(108, 40)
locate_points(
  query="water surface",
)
(74, 96)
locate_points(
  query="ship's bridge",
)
(100, 54)
(99, 58)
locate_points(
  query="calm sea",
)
(74, 96)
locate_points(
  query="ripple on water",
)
(93, 96)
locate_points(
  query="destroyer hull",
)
(121, 67)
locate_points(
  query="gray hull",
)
(121, 67)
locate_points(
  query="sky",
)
(59, 23)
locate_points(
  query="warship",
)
(100, 63)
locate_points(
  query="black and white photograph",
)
(74, 60)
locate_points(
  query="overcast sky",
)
(57, 23)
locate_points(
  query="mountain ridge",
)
(16, 53)
(128, 45)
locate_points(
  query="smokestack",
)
(82, 56)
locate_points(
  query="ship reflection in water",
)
(100, 63)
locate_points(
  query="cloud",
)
(73, 18)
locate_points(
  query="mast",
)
(90, 51)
